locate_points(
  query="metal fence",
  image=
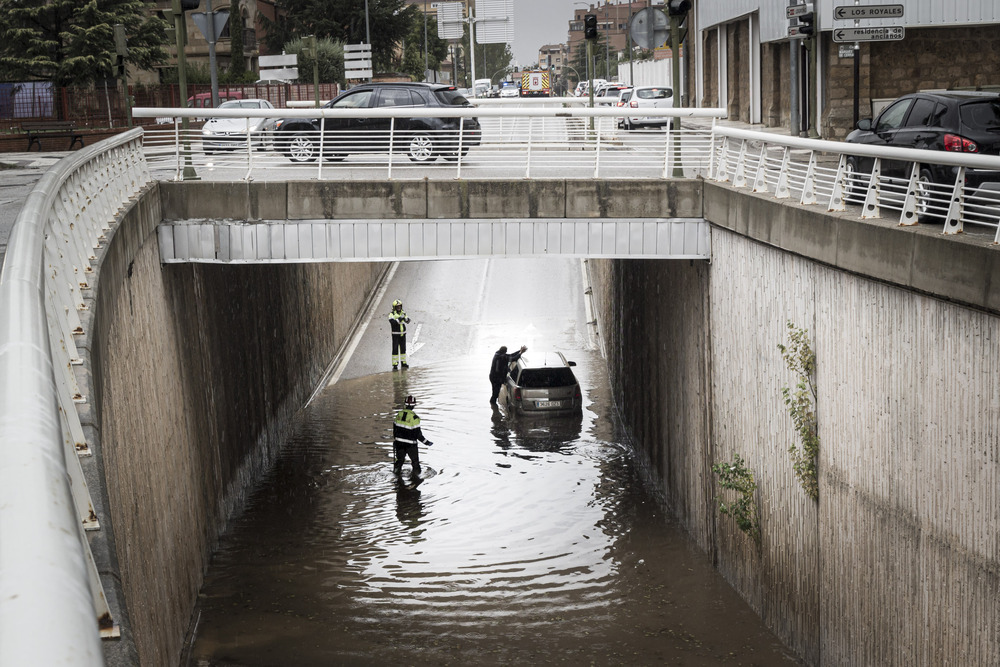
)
(103, 106)
(52, 605)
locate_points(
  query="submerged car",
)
(220, 134)
(542, 383)
(422, 139)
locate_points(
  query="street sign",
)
(883, 34)
(795, 32)
(793, 11)
(650, 28)
(358, 61)
(202, 20)
(847, 12)
(845, 51)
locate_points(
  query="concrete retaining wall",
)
(899, 561)
(197, 372)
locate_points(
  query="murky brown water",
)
(526, 543)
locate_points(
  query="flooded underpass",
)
(527, 541)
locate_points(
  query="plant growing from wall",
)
(801, 403)
(737, 477)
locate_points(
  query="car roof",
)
(543, 359)
(957, 95)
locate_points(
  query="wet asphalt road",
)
(526, 542)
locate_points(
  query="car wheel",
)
(300, 148)
(925, 192)
(420, 148)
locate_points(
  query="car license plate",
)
(548, 404)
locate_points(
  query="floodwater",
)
(527, 542)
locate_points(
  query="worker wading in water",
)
(406, 434)
(397, 322)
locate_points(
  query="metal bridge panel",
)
(346, 240)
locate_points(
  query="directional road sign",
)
(847, 12)
(793, 11)
(883, 34)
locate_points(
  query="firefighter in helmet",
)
(406, 434)
(397, 322)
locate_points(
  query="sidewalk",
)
(19, 172)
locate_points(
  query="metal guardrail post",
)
(760, 178)
(392, 145)
(870, 209)
(956, 208)
(836, 202)
(809, 185)
(781, 190)
(740, 178)
(908, 215)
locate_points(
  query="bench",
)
(52, 128)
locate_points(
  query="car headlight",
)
(277, 124)
(206, 131)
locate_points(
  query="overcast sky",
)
(540, 22)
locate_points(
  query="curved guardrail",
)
(52, 605)
(818, 171)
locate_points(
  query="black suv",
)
(421, 138)
(959, 121)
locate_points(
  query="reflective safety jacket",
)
(398, 321)
(406, 428)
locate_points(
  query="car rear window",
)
(983, 115)
(653, 93)
(544, 378)
(451, 98)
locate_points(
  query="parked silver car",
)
(542, 383)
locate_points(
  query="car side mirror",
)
(865, 124)
(571, 363)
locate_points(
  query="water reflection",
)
(525, 541)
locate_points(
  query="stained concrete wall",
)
(899, 561)
(195, 374)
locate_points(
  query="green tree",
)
(600, 66)
(71, 42)
(237, 65)
(413, 49)
(344, 21)
(330, 57)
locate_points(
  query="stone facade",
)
(927, 59)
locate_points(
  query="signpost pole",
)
(794, 122)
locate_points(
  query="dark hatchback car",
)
(421, 139)
(542, 384)
(958, 121)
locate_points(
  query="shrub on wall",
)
(737, 477)
(801, 402)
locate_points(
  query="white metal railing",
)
(52, 605)
(523, 140)
(563, 137)
(825, 172)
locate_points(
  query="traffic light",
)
(188, 5)
(807, 24)
(678, 7)
(590, 26)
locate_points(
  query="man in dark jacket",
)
(406, 434)
(500, 367)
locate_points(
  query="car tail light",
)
(957, 144)
(517, 394)
(577, 394)
(634, 105)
